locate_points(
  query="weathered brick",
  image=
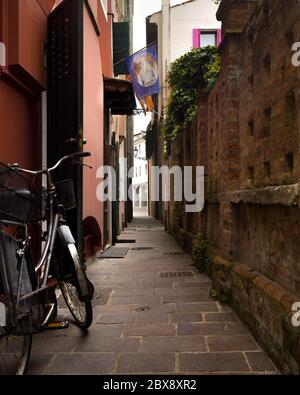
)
(246, 136)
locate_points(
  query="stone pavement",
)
(159, 318)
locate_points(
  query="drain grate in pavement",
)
(176, 274)
(174, 253)
(142, 248)
(125, 241)
(114, 252)
(143, 228)
(102, 296)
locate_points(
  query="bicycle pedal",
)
(57, 325)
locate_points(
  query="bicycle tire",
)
(10, 362)
(82, 312)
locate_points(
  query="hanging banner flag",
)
(143, 69)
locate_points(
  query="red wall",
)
(23, 29)
(19, 126)
(92, 120)
(105, 23)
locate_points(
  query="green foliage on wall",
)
(200, 256)
(194, 69)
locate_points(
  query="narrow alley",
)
(153, 314)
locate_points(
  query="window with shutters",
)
(121, 47)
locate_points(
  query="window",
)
(208, 38)
(204, 37)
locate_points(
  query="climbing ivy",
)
(194, 69)
(200, 256)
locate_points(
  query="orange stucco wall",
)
(105, 23)
(93, 120)
(19, 127)
(23, 29)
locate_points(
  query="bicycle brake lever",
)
(75, 162)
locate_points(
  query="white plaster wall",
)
(197, 14)
(140, 163)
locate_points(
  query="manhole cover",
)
(142, 248)
(101, 297)
(141, 309)
(143, 228)
(176, 274)
(174, 253)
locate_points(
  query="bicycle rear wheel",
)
(14, 354)
(82, 311)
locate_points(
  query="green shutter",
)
(121, 47)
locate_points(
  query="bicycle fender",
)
(65, 236)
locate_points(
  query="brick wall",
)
(247, 136)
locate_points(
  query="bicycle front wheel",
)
(14, 354)
(81, 311)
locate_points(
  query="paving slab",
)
(159, 318)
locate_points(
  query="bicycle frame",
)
(54, 218)
(44, 262)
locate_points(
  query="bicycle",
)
(28, 301)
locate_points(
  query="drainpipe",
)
(166, 40)
(165, 49)
(2, 55)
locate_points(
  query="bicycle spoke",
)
(77, 307)
(13, 354)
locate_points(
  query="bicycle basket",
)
(20, 200)
(66, 194)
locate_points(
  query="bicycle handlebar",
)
(63, 159)
(82, 154)
(69, 157)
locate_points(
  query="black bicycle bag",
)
(18, 281)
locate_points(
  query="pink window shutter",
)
(196, 38)
(219, 36)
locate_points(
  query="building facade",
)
(140, 178)
(57, 95)
(176, 30)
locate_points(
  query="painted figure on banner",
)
(143, 70)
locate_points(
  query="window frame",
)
(197, 36)
(207, 32)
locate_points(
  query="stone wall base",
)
(262, 305)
